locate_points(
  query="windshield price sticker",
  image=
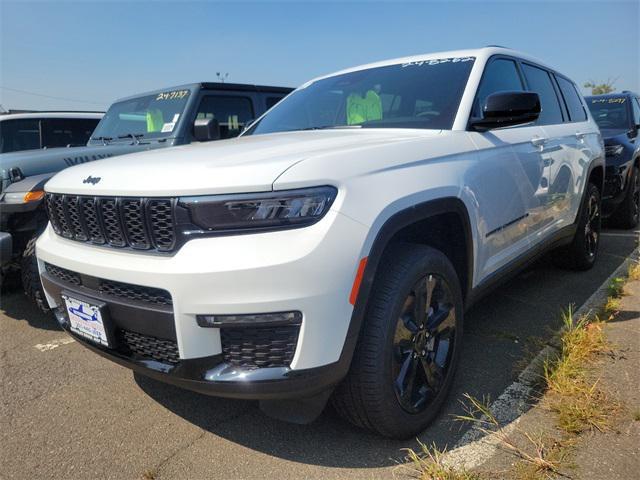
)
(167, 127)
(438, 61)
(174, 95)
(609, 100)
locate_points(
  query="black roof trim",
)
(245, 87)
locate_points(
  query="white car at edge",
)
(331, 250)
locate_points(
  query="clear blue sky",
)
(98, 51)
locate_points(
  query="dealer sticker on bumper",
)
(86, 320)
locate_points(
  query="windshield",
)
(611, 113)
(421, 94)
(151, 116)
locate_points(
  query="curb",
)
(476, 447)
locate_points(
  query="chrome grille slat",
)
(120, 222)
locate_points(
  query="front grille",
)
(63, 274)
(139, 223)
(137, 293)
(158, 349)
(259, 347)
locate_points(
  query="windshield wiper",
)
(105, 140)
(134, 136)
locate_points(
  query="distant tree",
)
(601, 88)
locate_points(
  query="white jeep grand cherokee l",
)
(332, 249)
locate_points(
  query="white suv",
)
(333, 247)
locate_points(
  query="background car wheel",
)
(582, 252)
(31, 277)
(627, 214)
(409, 345)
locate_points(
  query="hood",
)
(244, 164)
(47, 160)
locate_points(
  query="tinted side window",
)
(499, 76)
(16, 135)
(271, 101)
(61, 132)
(572, 99)
(232, 113)
(540, 82)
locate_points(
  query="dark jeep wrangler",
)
(164, 118)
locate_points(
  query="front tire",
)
(409, 346)
(31, 283)
(582, 252)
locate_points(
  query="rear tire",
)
(31, 283)
(405, 359)
(628, 212)
(582, 252)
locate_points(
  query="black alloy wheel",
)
(423, 343)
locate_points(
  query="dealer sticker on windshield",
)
(86, 320)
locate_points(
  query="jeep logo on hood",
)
(91, 180)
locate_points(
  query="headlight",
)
(22, 197)
(613, 150)
(287, 208)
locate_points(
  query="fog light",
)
(249, 320)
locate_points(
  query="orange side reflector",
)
(358, 280)
(34, 196)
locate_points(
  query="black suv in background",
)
(618, 116)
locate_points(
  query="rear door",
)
(579, 141)
(553, 195)
(507, 176)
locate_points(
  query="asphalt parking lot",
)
(68, 413)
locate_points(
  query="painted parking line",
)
(476, 447)
(45, 347)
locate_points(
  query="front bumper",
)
(211, 376)
(310, 270)
(616, 185)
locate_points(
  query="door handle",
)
(580, 136)
(539, 142)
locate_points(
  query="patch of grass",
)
(529, 449)
(149, 474)
(634, 271)
(428, 464)
(612, 307)
(616, 287)
(578, 401)
(557, 452)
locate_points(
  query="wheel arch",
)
(432, 213)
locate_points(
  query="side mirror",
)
(206, 129)
(504, 109)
